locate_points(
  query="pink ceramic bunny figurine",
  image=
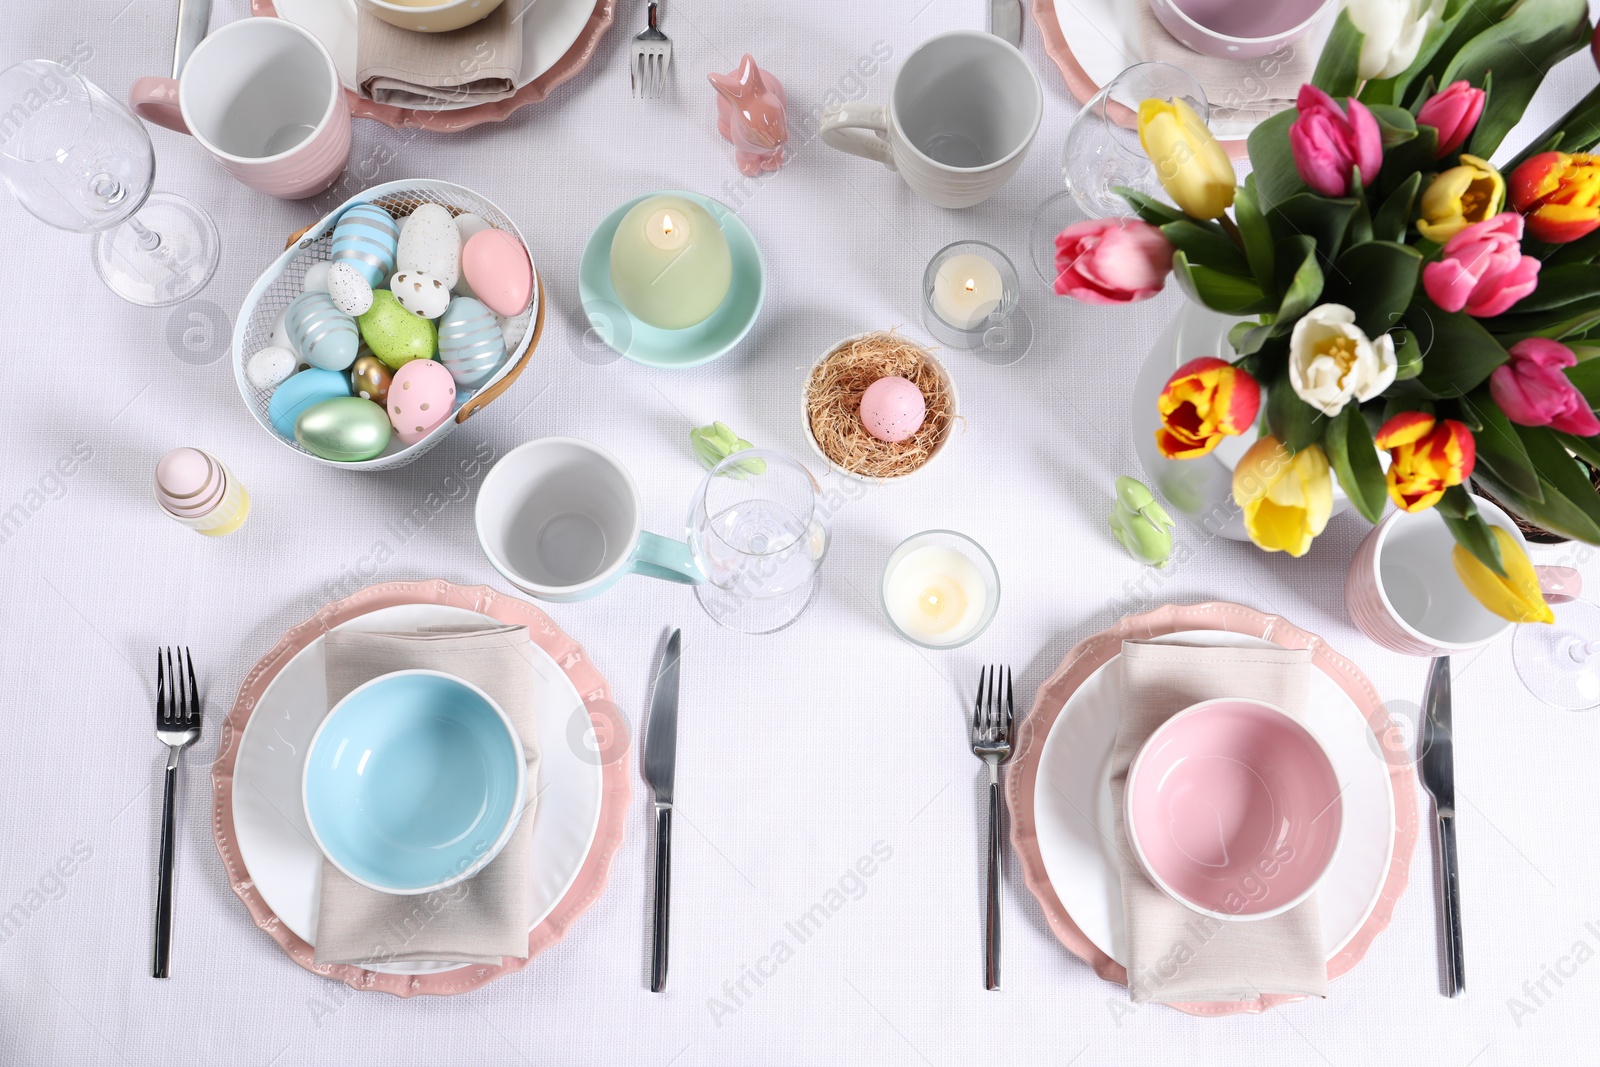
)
(750, 115)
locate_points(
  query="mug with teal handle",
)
(559, 517)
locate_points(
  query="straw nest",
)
(833, 405)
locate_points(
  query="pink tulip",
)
(1533, 390)
(1453, 111)
(1482, 269)
(1112, 261)
(1328, 142)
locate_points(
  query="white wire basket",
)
(284, 280)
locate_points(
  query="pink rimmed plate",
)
(273, 864)
(1059, 791)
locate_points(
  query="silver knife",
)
(660, 764)
(1439, 779)
(194, 19)
(1005, 20)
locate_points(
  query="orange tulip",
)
(1559, 193)
(1426, 457)
(1204, 401)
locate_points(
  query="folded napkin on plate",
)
(486, 917)
(1175, 954)
(1239, 90)
(476, 64)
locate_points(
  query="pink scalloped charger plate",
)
(596, 778)
(1068, 835)
(334, 25)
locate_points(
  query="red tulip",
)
(1204, 401)
(1559, 193)
(1426, 457)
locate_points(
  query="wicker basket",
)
(280, 283)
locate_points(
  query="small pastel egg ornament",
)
(270, 367)
(199, 491)
(892, 409)
(345, 429)
(429, 241)
(369, 379)
(349, 289)
(420, 293)
(471, 346)
(300, 392)
(367, 238)
(316, 276)
(496, 266)
(421, 397)
(323, 335)
(394, 334)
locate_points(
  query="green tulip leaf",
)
(1500, 447)
(1458, 354)
(1208, 246)
(1407, 355)
(1576, 131)
(1585, 448)
(1272, 161)
(1302, 290)
(1520, 49)
(1354, 458)
(1555, 512)
(1394, 217)
(1152, 210)
(1337, 68)
(1469, 528)
(1586, 377)
(1216, 289)
(1290, 419)
(1254, 232)
(1395, 124)
(1559, 476)
(1376, 280)
(1306, 214)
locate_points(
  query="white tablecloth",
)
(800, 752)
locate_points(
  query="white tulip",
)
(1331, 361)
(1393, 31)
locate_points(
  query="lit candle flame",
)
(972, 284)
(666, 225)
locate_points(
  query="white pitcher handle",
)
(860, 129)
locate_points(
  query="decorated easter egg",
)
(420, 293)
(367, 238)
(316, 276)
(346, 429)
(190, 483)
(471, 346)
(892, 409)
(394, 334)
(369, 379)
(323, 335)
(430, 241)
(421, 397)
(349, 289)
(496, 266)
(300, 392)
(270, 367)
(468, 226)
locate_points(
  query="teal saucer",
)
(690, 347)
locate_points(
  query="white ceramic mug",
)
(559, 517)
(962, 111)
(1403, 592)
(263, 97)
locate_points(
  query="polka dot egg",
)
(420, 293)
(421, 397)
(892, 409)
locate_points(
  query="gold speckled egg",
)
(369, 379)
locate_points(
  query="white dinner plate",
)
(270, 827)
(549, 29)
(1077, 824)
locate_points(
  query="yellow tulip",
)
(1516, 596)
(1286, 497)
(1460, 196)
(1193, 168)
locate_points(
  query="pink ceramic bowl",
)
(1237, 29)
(1233, 809)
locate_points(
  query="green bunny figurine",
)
(1140, 524)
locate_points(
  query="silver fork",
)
(178, 727)
(993, 725)
(651, 56)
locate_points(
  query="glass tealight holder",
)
(940, 589)
(970, 297)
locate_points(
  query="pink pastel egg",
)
(892, 409)
(496, 266)
(189, 482)
(421, 397)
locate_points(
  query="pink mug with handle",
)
(1402, 590)
(263, 97)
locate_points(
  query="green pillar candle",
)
(670, 263)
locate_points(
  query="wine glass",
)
(759, 534)
(79, 160)
(1560, 663)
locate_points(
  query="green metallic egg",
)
(345, 429)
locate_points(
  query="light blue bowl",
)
(413, 782)
(694, 345)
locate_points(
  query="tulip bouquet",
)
(1399, 294)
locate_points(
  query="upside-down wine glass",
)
(1560, 663)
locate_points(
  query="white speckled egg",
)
(420, 293)
(421, 397)
(429, 241)
(316, 276)
(471, 346)
(349, 289)
(892, 409)
(270, 367)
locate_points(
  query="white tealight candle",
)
(966, 290)
(936, 595)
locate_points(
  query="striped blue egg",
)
(323, 335)
(368, 238)
(471, 344)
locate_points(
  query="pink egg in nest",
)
(892, 409)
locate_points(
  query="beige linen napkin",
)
(476, 64)
(1239, 90)
(486, 917)
(1175, 954)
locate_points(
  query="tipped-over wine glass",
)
(1560, 663)
(79, 160)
